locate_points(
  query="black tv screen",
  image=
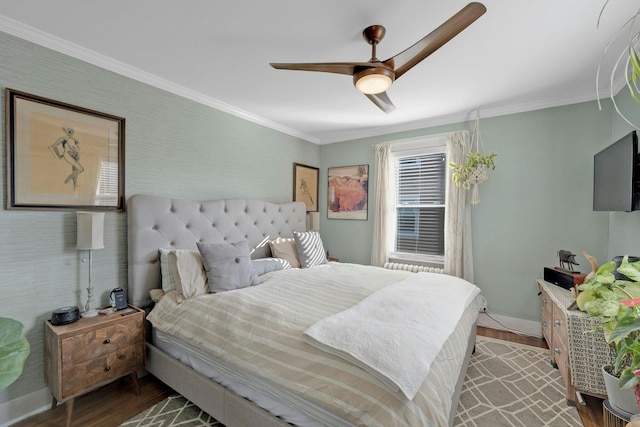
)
(615, 176)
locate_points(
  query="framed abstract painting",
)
(348, 191)
(62, 157)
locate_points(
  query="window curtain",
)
(382, 227)
(458, 256)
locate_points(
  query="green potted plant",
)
(617, 303)
(475, 167)
(627, 64)
(14, 349)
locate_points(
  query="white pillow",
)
(310, 248)
(188, 273)
(182, 270)
(285, 248)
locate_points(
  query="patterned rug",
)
(513, 385)
(507, 384)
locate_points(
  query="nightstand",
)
(92, 352)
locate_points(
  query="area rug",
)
(514, 385)
(507, 384)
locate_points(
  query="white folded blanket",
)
(396, 333)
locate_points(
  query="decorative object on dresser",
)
(90, 236)
(617, 302)
(61, 156)
(92, 352)
(306, 185)
(562, 278)
(574, 348)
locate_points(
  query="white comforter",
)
(258, 330)
(396, 333)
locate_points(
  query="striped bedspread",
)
(259, 331)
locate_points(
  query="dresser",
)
(576, 345)
(92, 352)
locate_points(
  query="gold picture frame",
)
(61, 156)
(306, 186)
(348, 192)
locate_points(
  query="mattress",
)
(289, 378)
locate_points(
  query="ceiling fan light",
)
(372, 81)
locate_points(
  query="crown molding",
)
(57, 44)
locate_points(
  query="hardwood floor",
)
(113, 404)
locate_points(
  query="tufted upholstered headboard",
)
(156, 222)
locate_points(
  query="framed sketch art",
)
(61, 156)
(348, 190)
(305, 186)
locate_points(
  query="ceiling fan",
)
(374, 77)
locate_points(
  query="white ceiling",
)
(521, 55)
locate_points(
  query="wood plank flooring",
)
(113, 404)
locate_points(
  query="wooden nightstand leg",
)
(136, 384)
(69, 410)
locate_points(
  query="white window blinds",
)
(420, 204)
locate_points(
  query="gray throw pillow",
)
(310, 248)
(266, 265)
(228, 266)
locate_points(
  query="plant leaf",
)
(14, 349)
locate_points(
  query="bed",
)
(247, 379)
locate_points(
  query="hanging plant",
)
(475, 170)
(628, 63)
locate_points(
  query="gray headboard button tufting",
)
(156, 222)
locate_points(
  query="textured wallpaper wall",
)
(174, 147)
(537, 201)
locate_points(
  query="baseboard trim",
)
(511, 324)
(23, 407)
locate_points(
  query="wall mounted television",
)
(615, 176)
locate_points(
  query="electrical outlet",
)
(483, 305)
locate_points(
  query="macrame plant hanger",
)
(480, 174)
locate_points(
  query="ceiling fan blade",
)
(382, 101)
(408, 58)
(329, 67)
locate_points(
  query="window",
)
(420, 188)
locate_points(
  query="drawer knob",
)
(121, 356)
(556, 322)
(556, 350)
(107, 341)
(544, 301)
(107, 368)
(544, 324)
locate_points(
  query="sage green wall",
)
(537, 201)
(174, 147)
(624, 227)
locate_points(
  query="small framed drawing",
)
(62, 157)
(305, 186)
(348, 190)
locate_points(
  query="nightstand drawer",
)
(84, 347)
(102, 370)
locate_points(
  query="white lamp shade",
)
(90, 230)
(313, 219)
